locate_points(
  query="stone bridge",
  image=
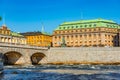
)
(22, 54)
(27, 55)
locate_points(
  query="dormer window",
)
(85, 25)
(95, 25)
(76, 26)
(72, 27)
(90, 25)
(81, 26)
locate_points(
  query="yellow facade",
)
(38, 39)
(4, 30)
(6, 36)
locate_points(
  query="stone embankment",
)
(82, 55)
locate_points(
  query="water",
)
(62, 72)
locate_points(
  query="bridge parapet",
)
(22, 46)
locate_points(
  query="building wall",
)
(4, 30)
(7, 37)
(86, 37)
(12, 39)
(39, 40)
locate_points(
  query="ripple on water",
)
(63, 72)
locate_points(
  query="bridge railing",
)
(21, 45)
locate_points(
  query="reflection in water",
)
(63, 72)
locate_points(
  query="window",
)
(89, 35)
(80, 35)
(67, 36)
(76, 36)
(90, 25)
(85, 25)
(99, 40)
(99, 35)
(72, 36)
(95, 25)
(72, 27)
(105, 35)
(107, 25)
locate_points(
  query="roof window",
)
(95, 25)
(85, 25)
(72, 26)
(76, 26)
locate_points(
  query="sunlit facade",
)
(97, 32)
(38, 39)
(7, 36)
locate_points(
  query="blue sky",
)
(29, 15)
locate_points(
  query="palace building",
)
(41, 39)
(96, 32)
(7, 36)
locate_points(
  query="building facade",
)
(38, 39)
(7, 36)
(96, 32)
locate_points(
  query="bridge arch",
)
(37, 57)
(12, 58)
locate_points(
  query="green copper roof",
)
(88, 24)
(16, 34)
(89, 21)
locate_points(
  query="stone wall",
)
(82, 55)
